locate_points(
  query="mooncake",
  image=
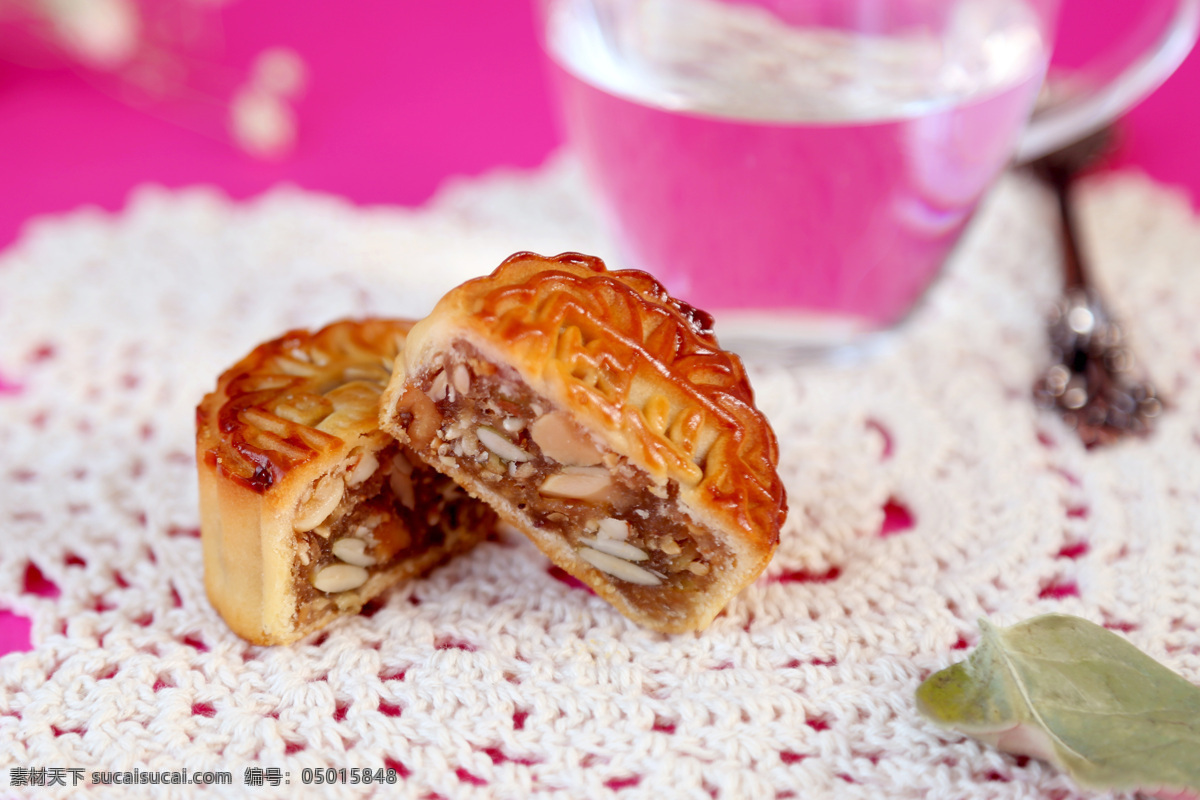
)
(308, 509)
(598, 415)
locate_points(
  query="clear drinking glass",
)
(802, 168)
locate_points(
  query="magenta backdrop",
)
(402, 94)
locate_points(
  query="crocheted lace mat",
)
(925, 490)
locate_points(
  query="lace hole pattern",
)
(925, 491)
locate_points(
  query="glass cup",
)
(801, 169)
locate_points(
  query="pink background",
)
(402, 94)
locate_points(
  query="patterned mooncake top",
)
(640, 367)
(297, 396)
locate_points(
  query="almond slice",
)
(363, 468)
(402, 487)
(618, 568)
(326, 495)
(613, 547)
(353, 551)
(437, 389)
(611, 528)
(402, 464)
(339, 578)
(577, 483)
(461, 379)
(561, 440)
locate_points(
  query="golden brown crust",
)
(616, 349)
(297, 410)
(270, 412)
(637, 368)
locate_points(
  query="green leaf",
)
(1065, 690)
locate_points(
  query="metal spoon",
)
(1089, 381)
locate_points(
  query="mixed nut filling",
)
(482, 419)
(381, 507)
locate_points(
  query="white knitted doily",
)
(925, 492)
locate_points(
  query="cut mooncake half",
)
(308, 510)
(598, 415)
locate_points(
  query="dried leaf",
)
(1065, 690)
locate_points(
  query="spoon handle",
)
(1059, 169)
(1074, 275)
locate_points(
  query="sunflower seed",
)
(494, 441)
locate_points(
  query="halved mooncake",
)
(308, 510)
(598, 415)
